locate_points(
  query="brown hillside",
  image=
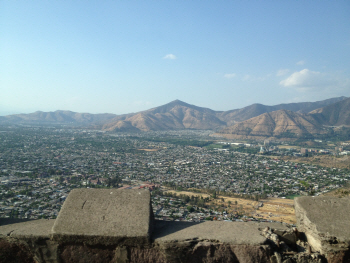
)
(335, 114)
(172, 116)
(277, 123)
(254, 110)
(178, 115)
(122, 126)
(59, 116)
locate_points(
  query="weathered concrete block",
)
(105, 216)
(32, 229)
(15, 252)
(226, 232)
(325, 221)
(215, 241)
(32, 236)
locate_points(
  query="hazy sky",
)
(126, 56)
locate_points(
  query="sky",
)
(128, 56)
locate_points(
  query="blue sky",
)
(127, 56)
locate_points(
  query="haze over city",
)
(127, 56)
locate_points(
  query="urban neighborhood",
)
(39, 166)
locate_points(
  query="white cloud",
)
(282, 72)
(169, 56)
(247, 77)
(307, 80)
(230, 75)
(303, 78)
(301, 62)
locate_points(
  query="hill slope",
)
(58, 116)
(172, 116)
(281, 123)
(180, 115)
(336, 114)
(254, 110)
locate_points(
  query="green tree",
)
(113, 181)
(190, 209)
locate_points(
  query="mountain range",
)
(280, 123)
(257, 109)
(257, 120)
(57, 117)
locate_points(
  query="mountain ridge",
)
(257, 109)
(280, 123)
(336, 114)
(58, 116)
(177, 115)
(173, 115)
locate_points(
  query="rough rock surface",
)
(326, 223)
(30, 240)
(217, 241)
(213, 241)
(11, 251)
(33, 229)
(105, 216)
(216, 231)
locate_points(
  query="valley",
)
(39, 166)
(200, 164)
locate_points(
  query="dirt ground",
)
(341, 192)
(276, 209)
(187, 193)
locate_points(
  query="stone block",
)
(29, 229)
(214, 241)
(226, 232)
(105, 216)
(325, 221)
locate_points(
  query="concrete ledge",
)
(105, 216)
(172, 242)
(103, 225)
(215, 241)
(214, 231)
(32, 229)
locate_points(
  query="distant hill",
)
(172, 116)
(238, 115)
(336, 114)
(289, 120)
(180, 115)
(280, 123)
(57, 117)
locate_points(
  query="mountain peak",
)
(178, 102)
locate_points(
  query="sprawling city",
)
(175, 131)
(191, 174)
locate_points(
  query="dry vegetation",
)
(276, 209)
(341, 192)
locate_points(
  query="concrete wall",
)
(104, 226)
